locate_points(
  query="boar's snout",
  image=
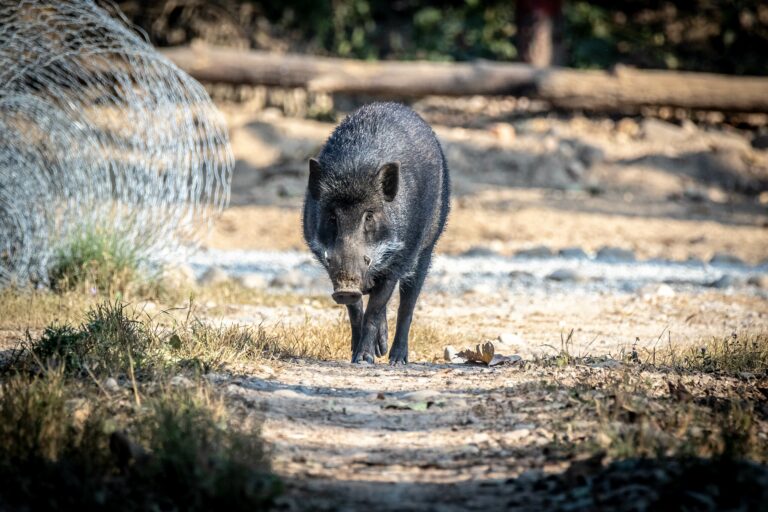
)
(347, 296)
(347, 287)
(347, 269)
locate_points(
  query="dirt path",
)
(335, 439)
(446, 437)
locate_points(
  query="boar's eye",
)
(369, 221)
(332, 218)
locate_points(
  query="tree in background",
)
(539, 29)
(721, 36)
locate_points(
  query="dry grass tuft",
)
(635, 421)
(63, 448)
(732, 355)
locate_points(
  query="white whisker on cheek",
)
(383, 252)
(319, 250)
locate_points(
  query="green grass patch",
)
(109, 342)
(96, 259)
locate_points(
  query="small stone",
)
(479, 251)
(615, 254)
(726, 281)
(565, 274)
(540, 251)
(695, 194)
(759, 281)
(662, 131)
(576, 253)
(590, 155)
(504, 132)
(213, 276)
(450, 354)
(487, 289)
(253, 281)
(689, 126)
(628, 126)
(725, 258)
(521, 275)
(111, 385)
(661, 290)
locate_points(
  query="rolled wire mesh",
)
(99, 134)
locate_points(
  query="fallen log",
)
(618, 90)
(323, 74)
(633, 88)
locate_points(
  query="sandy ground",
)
(518, 219)
(663, 191)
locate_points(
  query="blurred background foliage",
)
(725, 36)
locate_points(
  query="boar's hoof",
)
(398, 356)
(363, 357)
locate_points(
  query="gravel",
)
(495, 273)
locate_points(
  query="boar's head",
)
(354, 237)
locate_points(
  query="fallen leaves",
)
(483, 353)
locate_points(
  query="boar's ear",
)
(314, 179)
(389, 176)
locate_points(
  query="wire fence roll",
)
(100, 135)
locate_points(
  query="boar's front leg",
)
(356, 322)
(409, 293)
(374, 313)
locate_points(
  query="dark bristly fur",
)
(377, 201)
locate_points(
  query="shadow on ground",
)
(630, 484)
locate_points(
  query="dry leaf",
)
(483, 353)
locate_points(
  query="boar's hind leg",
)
(377, 307)
(381, 336)
(409, 293)
(356, 322)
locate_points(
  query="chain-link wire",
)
(99, 133)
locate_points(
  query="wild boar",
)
(377, 201)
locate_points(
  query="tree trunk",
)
(538, 31)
